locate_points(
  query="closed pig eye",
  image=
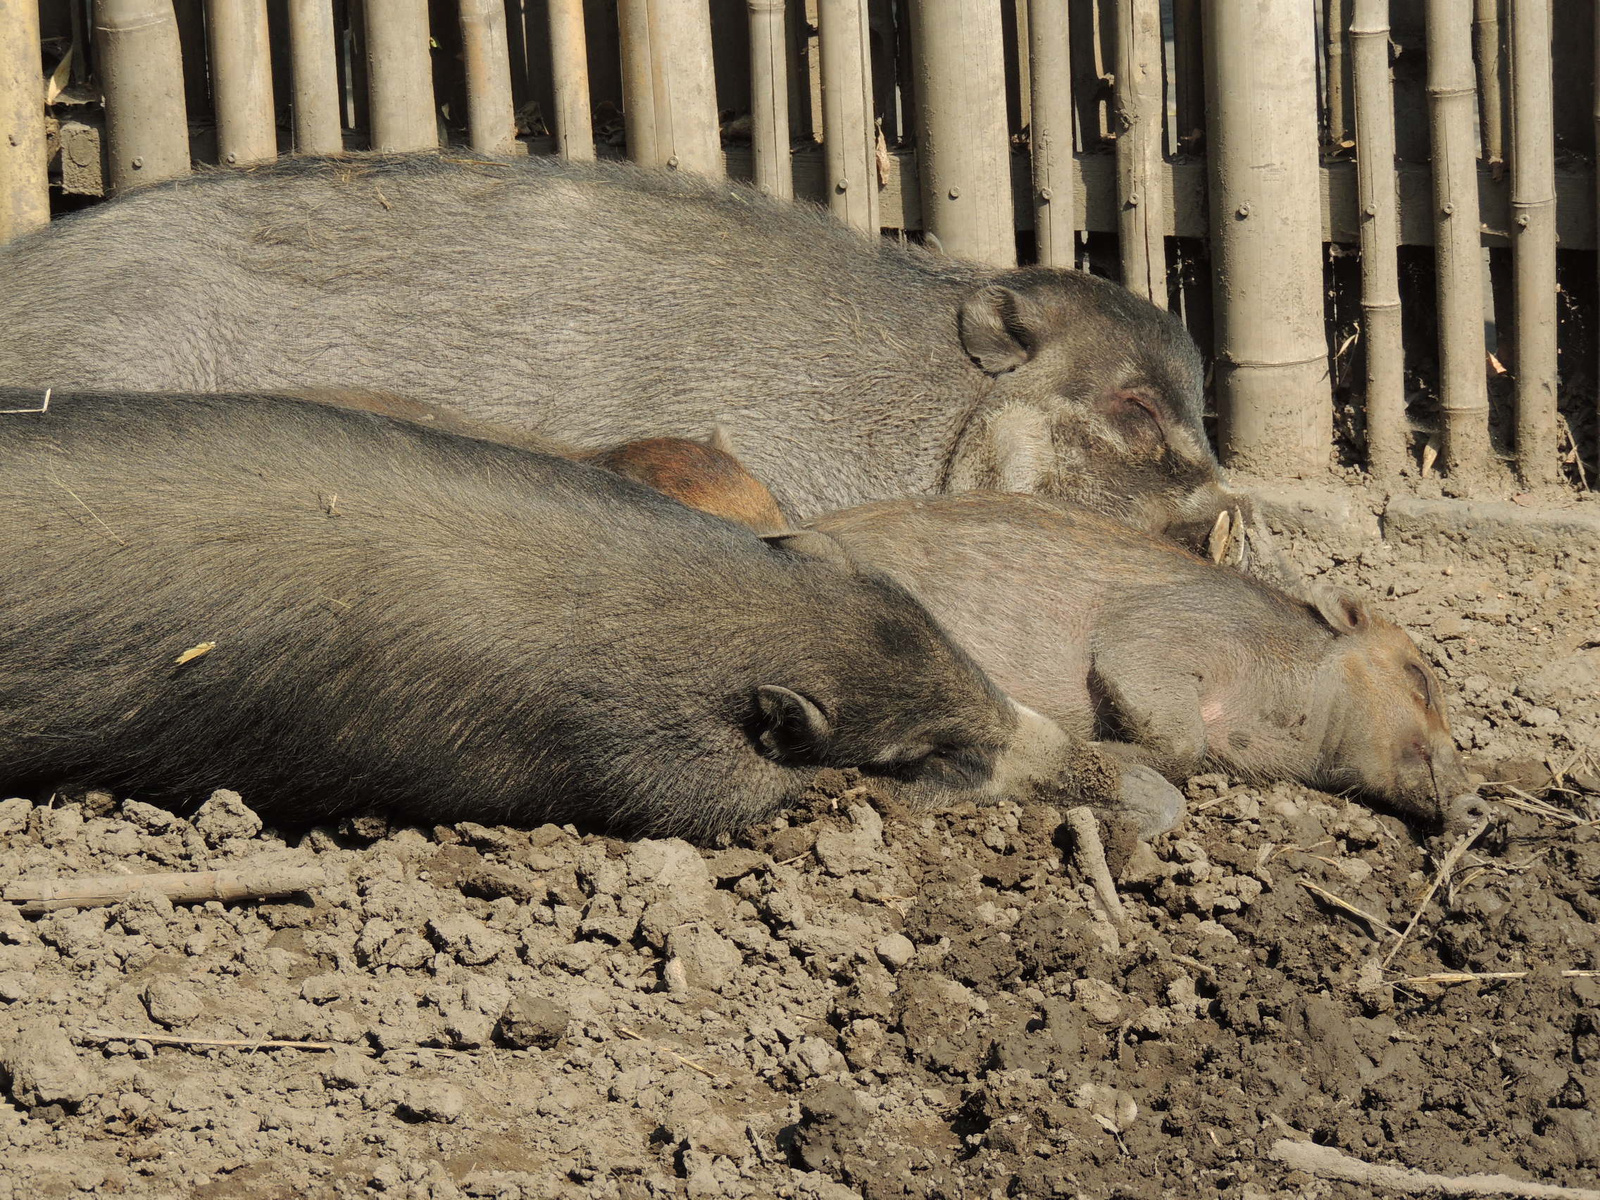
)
(1135, 412)
(949, 764)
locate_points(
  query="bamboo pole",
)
(1533, 239)
(669, 89)
(638, 91)
(959, 62)
(491, 119)
(1380, 238)
(1138, 122)
(686, 85)
(769, 99)
(1491, 108)
(241, 80)
(1335, 14)
(1596, 77)
(1274, 404)
(849, 137)
(400, 75)
(1458, 245)
(569, 66)
(317, 98)
(141, 74)
(1050, 81)
(24, 178)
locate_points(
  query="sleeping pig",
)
(1172, 661)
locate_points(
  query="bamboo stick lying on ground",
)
(1327, 1163)
(181, 887)
(1090, 857)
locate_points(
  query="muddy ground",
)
(852, 1001)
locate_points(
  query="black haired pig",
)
(331, 610)
(1183, 665)
(602, 302)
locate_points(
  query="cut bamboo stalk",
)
(246, 882)
(686, 85)
(965, 155)
(1190, 73)
(1380, 238)
(241, 81)
(1274, 402)
(849, 137)
(1533, 239)
(1491, 107)
(400, 75)
(1596, 77)
(24, 178)
(1138, 123)
(1335, 15)
(141, 74)
(669, 89)
(317, 97)
(1458, 245)
(1050, 81)
(769, 99)
(569, 66)
(491, 118)
(638, 92)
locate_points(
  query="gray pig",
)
(600, 302)
(1180, 664)
(330, 609)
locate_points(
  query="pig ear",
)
(719, 439)
(996, 331)
(790, 724)
(808, 543)
(1344, 613)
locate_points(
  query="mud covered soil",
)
(852, 1001)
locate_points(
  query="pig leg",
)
(1157, 710)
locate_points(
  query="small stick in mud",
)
(1090, 857)
(166, 1039)
(631, 1035)
(1448, 865)
(125, 1035)
(1484, 976)
(1327, 1163)
(38, 896)
(1339, 902)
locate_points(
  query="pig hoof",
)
(1150, 800)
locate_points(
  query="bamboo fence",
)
(1446, 145)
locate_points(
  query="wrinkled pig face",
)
(1096, 396)
(1389, 733)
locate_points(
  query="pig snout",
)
(1045, 761)
(1393, 735)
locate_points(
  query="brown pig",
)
(702, 474)
(1172, 661)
